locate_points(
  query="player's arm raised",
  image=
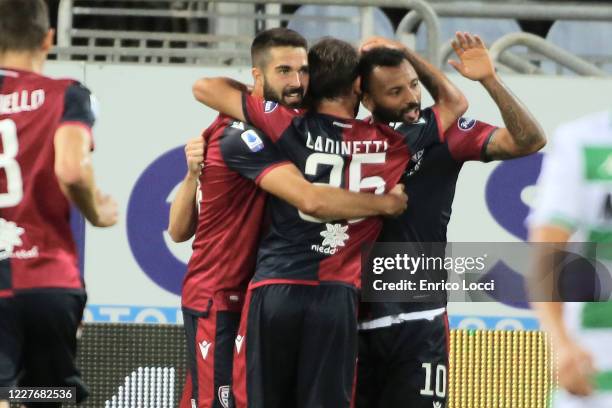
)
(221, 94)
(523, 134)
(75, 174)
(449, 100)
(329, 203)
(183, 211)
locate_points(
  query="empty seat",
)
(587, 39)
(490, 30)
(328, 22)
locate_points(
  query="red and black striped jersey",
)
(345, 153)
(230, 217)
(37, 249)
(430, 183)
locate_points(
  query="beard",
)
(284, 97)
(392, 115)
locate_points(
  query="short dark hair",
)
(274, 37)
(333, 69)
(378, 57)
(23, 24)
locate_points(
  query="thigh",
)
(417, 373)
(326, 368)
(227, 329)
(266, 347)
(370, 369)
(11, 344)
(51, 322)
(210, 341)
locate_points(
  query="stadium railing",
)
(219, 32)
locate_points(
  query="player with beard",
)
(228, 225)
(297, 339)
(403, 349)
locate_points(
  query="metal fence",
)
(220, 32)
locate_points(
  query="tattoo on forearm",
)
(523, 127)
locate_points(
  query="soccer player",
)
(228, 226)
(403, 347)
(297, 338)
(573, 209)
(45, 164)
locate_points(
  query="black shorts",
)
(38, 346)
(404, 365)
(210, 355)
(297, 347)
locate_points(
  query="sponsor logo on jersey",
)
(204, 347)
(223, 395)
(10, 237)
(239, 340)
(415, 162)
(334, 236)
(466, 124)
(269, 106)
(437, 404)
(252, 140)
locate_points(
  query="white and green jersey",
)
(575, 192)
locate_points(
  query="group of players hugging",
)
(283, 190)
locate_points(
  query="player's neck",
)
(24, 61)
(340, 107)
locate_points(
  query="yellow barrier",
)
(500, 369)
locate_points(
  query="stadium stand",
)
(348, 30)
(490, 30)
(589, 39)
(218, 33)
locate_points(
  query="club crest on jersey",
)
(466, 124)
(334, 236)
(223, 395)
(252, 140)
(269, 106)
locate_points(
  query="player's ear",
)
(366, 100)
(47, 42)
(257, 75)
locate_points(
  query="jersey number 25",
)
(355, 183)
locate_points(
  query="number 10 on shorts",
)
(439, 381)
